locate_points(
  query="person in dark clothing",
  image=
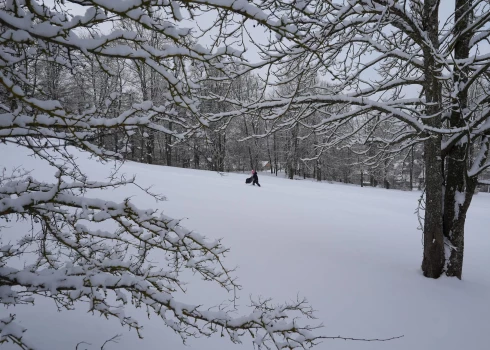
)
(255, 177)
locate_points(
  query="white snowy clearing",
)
(353, 252)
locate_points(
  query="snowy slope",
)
(353, 252)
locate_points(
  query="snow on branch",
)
(81, 247)
(76, 260)
(12, 332)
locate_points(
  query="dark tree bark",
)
(142, 145)
(459, 188)
(168, 148)
(270, 155)
(116, 142)
(293, 153)
(150, 146)
(318, 167)
(433, 257)
(411, 168)
(386, 183)
(222, 153)
(196, 156)
(276, 156)
(249, 148)
(362, 172)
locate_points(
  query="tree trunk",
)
(290, 172)
(362, 172)
(269, 154)
(196, 157)
(248, 146)
(142, 145)
(433, 257)
(456, 194)
(150, 146)
(294, 152)
(459, 189)
(386, 183)
(222, 155)
(275, 154)
(168, 148)
(133, 145)
(454, 222)
(411, 169)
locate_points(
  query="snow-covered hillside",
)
(353, 252)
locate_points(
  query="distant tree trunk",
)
(116, 142)
(362, 172)
(145, 89)
(269, 154)
(196, 157)
(133, 146)
(150, 140)
(251, 157)
(290, 171)
(168, 148)
(256, 148)
(293, 152)
(150, 146)
(386, 183)
(411, 169)
(142, 145)
(275, 154)
(250, 153)
(222, 154)
(119, 105)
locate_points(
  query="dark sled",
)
(249, 180)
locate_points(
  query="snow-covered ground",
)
(353, 252)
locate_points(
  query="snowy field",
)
(353, 252)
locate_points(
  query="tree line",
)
(246, 142)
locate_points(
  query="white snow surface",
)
(353, 252)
